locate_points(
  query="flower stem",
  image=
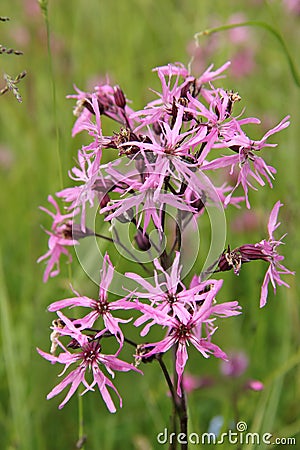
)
(183, 417)
(81, 435)
(168, 379)
(106, 238)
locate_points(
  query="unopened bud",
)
(119, 97)
(142, 241)
(104, 199)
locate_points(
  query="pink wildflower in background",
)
(235, 366)
(293, 6)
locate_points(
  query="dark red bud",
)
(142, 241)
(104, 199)
(119, 97)
(223, 264)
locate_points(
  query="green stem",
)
(81, 435)
(264, 25)
(106, 238)
(183, 417)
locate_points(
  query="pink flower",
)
(79, 196)
(265, 250)
(245, 148)
(169, 295)
(174, 78)
(61, 237)
(175, 81)
(293, 6)
(254, 385)
(268, 248)
(146, 200)
(235, 366)
(88, 358)
(243, 62)
(187, 328)
(105, 97)
(100, 307)
(191, 382)
(218, 121)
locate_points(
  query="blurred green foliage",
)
(125, 40)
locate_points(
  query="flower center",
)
(102, 307)
(91, 352)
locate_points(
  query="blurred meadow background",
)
(125, 40)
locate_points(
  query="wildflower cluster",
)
(171, 149)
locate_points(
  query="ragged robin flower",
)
(265, 250)
(89, 359)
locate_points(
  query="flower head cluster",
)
(167, 155)
(187, 314)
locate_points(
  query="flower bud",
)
(119, 97)
(142, 241)
(104, 199)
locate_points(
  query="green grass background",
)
(126, 39)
